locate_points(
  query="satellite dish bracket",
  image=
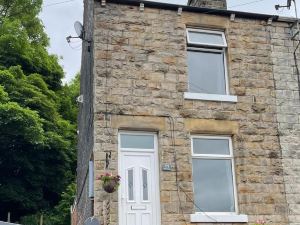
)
(79, 28)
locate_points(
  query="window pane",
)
(206, 72)
(130, 185)
(137, 141)
(206, 38)
(213, 185)
(145, 185)
(211, 146)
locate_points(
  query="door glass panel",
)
(137, 141)
(213, 185)
(211, 146)
(130, 185)
(145, 184)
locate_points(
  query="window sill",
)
(218, 218)
(210, 97)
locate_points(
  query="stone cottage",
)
(197, 109)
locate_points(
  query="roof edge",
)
(287, 19)
(186, 8)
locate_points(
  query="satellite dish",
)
(92, 221)
(79, 29)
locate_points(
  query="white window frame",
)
(215, 217)
(138, 133)
(91, 179)
(208, 32)
(206, 47)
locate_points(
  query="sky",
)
(59, 16)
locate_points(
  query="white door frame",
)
(156, 172)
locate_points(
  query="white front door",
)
(139, 190)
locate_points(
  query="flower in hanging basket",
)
(110, 183)
(260, 222)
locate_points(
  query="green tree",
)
(37, 120)
(37, 145)
(68, 95)
(26, 12)
(60, 215)
(23, 41)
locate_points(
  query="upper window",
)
(213, 174)
(207, 62)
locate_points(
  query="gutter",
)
(219, 12)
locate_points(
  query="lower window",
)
(213, 175)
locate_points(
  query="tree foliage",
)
(36, 144)
(23, 41)
(26, 12)
(67, 96)
(37, 121)
(60, 215)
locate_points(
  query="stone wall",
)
(141, 71)
(288, 111)
(218, 4)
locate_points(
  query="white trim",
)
(229, 156)
(138, 133)
(137, 150)
(233, 218)
(210, 97)
(208, 32)
(226, 72)
(235, 193)
(207, 47)
(91, 179)
(216, 156)
(156, 170)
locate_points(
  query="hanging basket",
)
(110, 183)
(110, 186)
